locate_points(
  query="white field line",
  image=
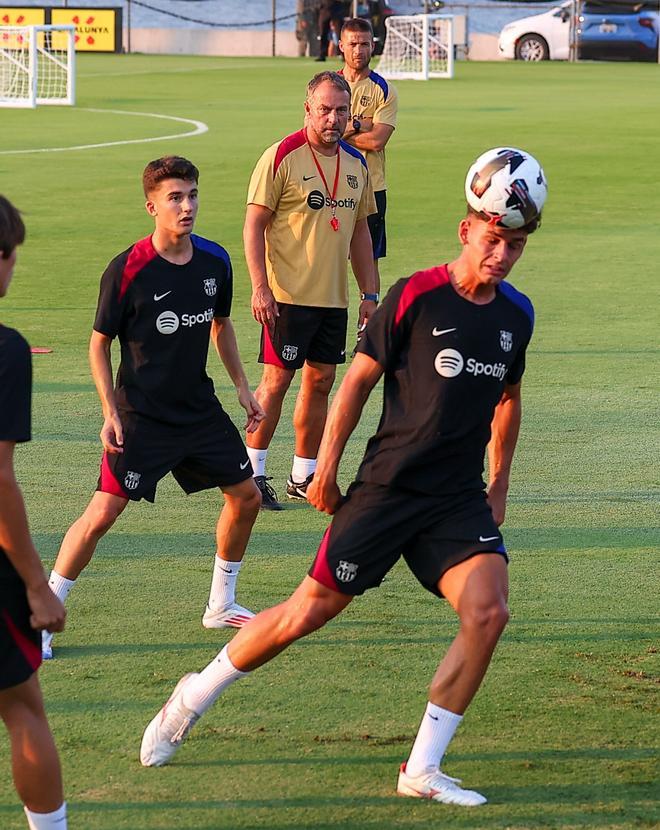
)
(199, 128)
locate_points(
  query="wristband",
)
(373, 297)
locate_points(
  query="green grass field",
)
(561, 734)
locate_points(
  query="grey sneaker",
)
(268, 495)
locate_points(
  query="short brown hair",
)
(530, 227)
(12, 229)
(337, 80)
(168, 167)
(357, 24)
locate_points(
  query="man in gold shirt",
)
(308, 202)
(374, 105)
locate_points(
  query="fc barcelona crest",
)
(364, 100)
(352, 181)
(289, 352)
(506, 340)
(131, 480)
(210, 287)
(346, 571)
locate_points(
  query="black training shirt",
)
(162, 313)
(446, 363)
(15, 403)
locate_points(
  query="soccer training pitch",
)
(561, 734)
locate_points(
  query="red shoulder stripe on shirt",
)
(419, 284)
(286, 146)
(141, 254)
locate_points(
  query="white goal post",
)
(37, 65)
(419, 46)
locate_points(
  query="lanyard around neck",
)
(334, 222)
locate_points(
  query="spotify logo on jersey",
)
(449, 363)
(316, 200)
(167, 322)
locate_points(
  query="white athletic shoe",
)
(46, 645)
(234, 616)
(168, 730)
(437, 787)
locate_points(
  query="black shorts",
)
(199, 456)
(20, 644)
(304, 332)
(376, 224)
(376, 525)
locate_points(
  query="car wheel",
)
(532, 48)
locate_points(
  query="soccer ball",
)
(507, 187)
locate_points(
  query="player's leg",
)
(326, 349)
(309, 608)
(35, 762)
(237, 517)
(78, 547)
(309, 418)
(477, 590)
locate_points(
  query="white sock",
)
(201, 692)
(435, 732)
(47, 821)
(302, 468)
(223, 584)
(60, 585)
(258, 460)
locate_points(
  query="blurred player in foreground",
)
(27, 604)
(164, 298)
(451, 343)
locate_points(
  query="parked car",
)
(605, 30)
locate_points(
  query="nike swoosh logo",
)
(438, 332)
(243, 466)
(434, 717)
(488, 538)
(160, 296)
(307, 178)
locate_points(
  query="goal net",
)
(419, 46)
(37, 65)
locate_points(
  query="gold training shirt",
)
(373, 97)
(306, 260)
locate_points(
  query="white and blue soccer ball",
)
(506, 186)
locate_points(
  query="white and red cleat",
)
(168, 730)
(234, 616)
(436, 786)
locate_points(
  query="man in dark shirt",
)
(450, 342)
(164, 298)
(27, 605)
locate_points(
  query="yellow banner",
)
(95, 28)
(22, 17)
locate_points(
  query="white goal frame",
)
(29, 63)
(428, 53)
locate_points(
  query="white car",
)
(539, 37)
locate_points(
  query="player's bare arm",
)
(505, 427)
(47, 611)
(372, 138)
(360, 379)
(264, 307)
(223, 337)
(112, 434)
(363, 267)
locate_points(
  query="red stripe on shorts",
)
(320, 569)
(28, 649)
(270, 355)
(419, 284)
(109, 483)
